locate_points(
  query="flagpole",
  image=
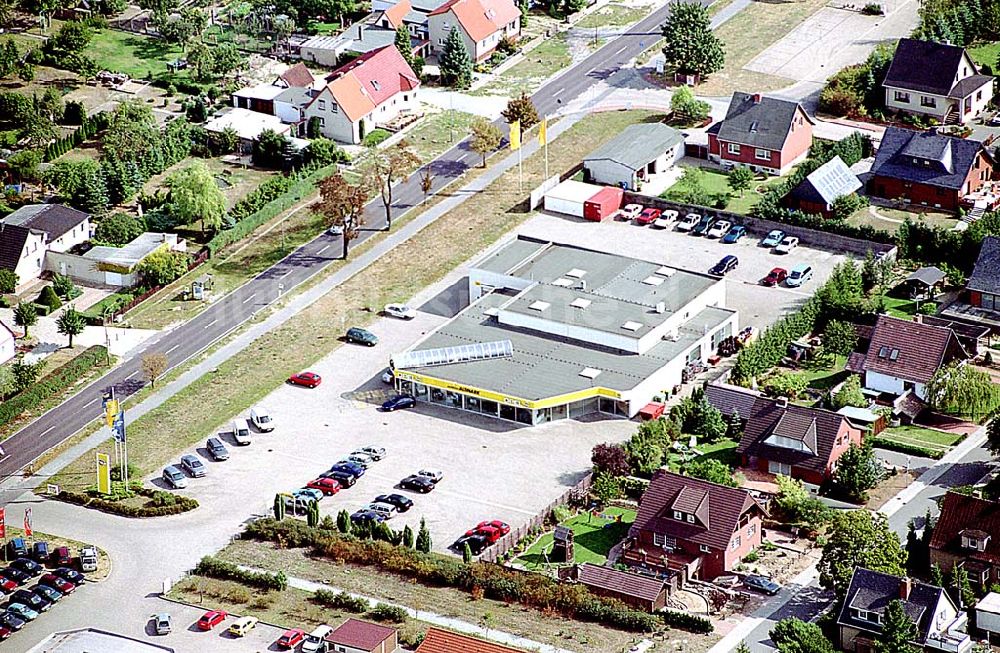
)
(545, 145)
(520, 172)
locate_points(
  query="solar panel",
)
(460, 354)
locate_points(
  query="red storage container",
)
(605, 202)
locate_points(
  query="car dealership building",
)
(556, 331)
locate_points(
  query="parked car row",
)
(26, 604)
(482, 536)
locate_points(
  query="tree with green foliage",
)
(312, 514)
(993, 434)
(119, 229)
(71, 323)
(271, 150)
(423, 543)
(6, 382)
(522, 109)
(25, 316)
(162, 267)
(712, 470)
(797, 506)
(783, 383)
(792, 635)
(690, 45)
(739, 179)
(180, 28)
(48, 297)
(25, 374)
(408, 537)
(840, 338)
(384, 168)
(898, 630)
(858, 471)
(454, 62)
(80, 184)
(8, 281)
(64, 287)
(404, 45)
(917, 552)
(606, 487)
(684, 105)
(194, 195)
(963, 390)
(322, 151)
(859, 538)
(466, 553)
(648, 447)
(847, 205)
(344, 521)
(936, 575)
(742, 647)
(961, 588)
(279, 507)
(486, 137)
(850, 394)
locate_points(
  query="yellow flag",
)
(541, 131)
(515, 135)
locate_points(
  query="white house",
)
(8, 348)
(481, 23)
(27, 234)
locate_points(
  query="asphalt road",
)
(189, 339)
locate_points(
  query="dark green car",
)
(362, 336)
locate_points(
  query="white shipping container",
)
(570, 196)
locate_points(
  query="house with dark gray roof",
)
(979, 305)
(634, 154)
(731, 399)
(940, 624)
(764, 133)
(928, 169)
(822, 187)
(936, 80)
(32, 230)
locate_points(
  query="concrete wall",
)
(84, 270)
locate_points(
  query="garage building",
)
(637, 152)
(556, 331)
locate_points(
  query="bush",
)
(375, 137)
(341, 601)
(215, 568)
(902, 447)
(685, 621)
(56, 381)
(49, 298)
(158, 506)
(8, 281)
(872, 9)
(392, 614)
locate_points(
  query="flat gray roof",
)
(637, 145)
(546, 366)
(504, 259)
(130, 254)
(91, 640)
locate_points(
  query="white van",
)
(241, 432)
(261, 418)
(316, 640)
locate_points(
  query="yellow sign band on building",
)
(548, 402)
(515, 135)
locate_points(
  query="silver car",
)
(385, 509)
(216, 449)
(193, 465)
(375, 453)
(174, 477)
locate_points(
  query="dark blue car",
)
(734, 234)
(367, 516)
(399, 402)
(348, 467)
(727, 264)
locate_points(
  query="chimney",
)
(582, 285)
(905, 585)
(756, 98)
(918, 318)
(661, 307)
(782, 402)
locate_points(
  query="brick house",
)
(983, 287)
(691, 528)
(936, 80)
(797, 441)
(357, 636)
(967, 534)
(634, 590)
(929, 169)
(439, 640)
(767, 134)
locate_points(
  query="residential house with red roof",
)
(797, 441)
(481, 23)
(967, 534)
(763, 133)
(357, 636)
(438, 640)
(691, 528)
(368, 92)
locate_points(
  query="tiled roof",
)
(723, 505)
(728, 398)
(623, 582)
(297, 76)
(758, 121)
(926, 158)
(910, 350)
(924, 66)
(872, 591)
(359, 634)
(362, 85)
(966, 87)
(396, 13)
(53, 219)
(438, 640)
(817, 429)
(929, 276)
(12, 239)
(959, 512)
(480, 18)
(986, 275)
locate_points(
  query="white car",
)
(241, 432)
(375, 453)
(384, 509)
(666, 219)
(335, 230)
(433, 474)
(719, 229)
(261, 418)
(628, 212)
(402, 311)
(787, 244)
(388, 376)
(688, 222)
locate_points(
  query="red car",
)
(488, 533)
(211, 619)
(4, 632)
(775, 277)
(7, 585)
(52, 580)
(497, 524)
(327, 486)
(291, 638)
(61, 556)
(648, 216)
(305, 379)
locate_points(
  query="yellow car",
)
(242, 626)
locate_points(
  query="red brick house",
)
(357, 636)
(967, 533)
(691, 528)
(822, 187)
(767, 134)
(439, 640)
(929, 169)
(797, 441)
(983, 287)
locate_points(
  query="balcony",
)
(952, 642)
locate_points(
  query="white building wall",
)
(78, 234)
(334, 122)
(883, 383)
(714, 295)
(938, 111)
(8, 348)
(287, 112)
(574, 331)
(32, 259)
(483, 281)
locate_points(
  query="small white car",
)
(401, 311)
(688, 222)
(433, 474)
(375, 453)
(335, 230)
(241, 432)
(628, 212)
(666, 220)
(787, 244)
(358, 458)
(719, 229)
(388, 376)
(261, 418)
(385, 509)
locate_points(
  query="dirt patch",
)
(888, 488)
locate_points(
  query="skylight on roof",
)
(539, 306)
(652, 280)
(576, 273)
(753, 127)
(563, 282)
(664, 271)
(894, 355)
(589, 372)
(632, 326)
(580, 302)
(492, 311)
(883, 352)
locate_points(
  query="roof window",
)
(589, 373)
(562, 282)
(632, 326)
(375, 84)
(664, 271)
(580, 302)
(652, 280)
(539, 306)
(576, 273)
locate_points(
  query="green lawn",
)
(613, 15)
(714, 182)
(325, 28)
(593, 538)
(724, 451)
(437, 133)
(921, 436)
(527, 75)
(986, 53)
(904, 308)
(820, 375)
(139, 56)
(889, 219)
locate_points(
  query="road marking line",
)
(325, 247)
(620, 50)
(249, 298)
(561, 89)
(173, 348)
(285, 274)
(214, 320)
(131, 375)
(47, 430)
(94, 401)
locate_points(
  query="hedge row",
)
(157, 507)
(493, 581)
(909, 449)
(340, 601)
(215, 568)
(56, 381)
(84, 132)
(685, 621)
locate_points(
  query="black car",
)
(727, 264)
(402, 503)
(40, 552)
(15, 575)
(345, 478)
(47, 592)
(399, 402)
(34, 601)
(11, 620)
(369, 516)
(72, 575)
(417, 483)
(477, 543)
(217, 450)
(28, 566)
(702, 227)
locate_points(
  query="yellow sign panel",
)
(515, 135)
(509, 400)
(104, 473)
(111, 412)
(542, 131)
